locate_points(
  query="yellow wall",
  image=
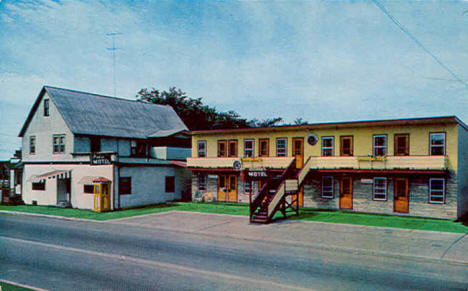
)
(419, 139)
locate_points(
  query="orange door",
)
(401, 195)
(346, 193)
(232, 194)
(298, 151)
(222, 188)
(299, 196)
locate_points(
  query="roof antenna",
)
(113, 49)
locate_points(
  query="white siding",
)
(43, 128)
(148, 185)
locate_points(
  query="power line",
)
(413, 38)
(113, 49)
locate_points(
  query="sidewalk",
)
(429, 245)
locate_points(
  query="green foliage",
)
(266, 122)
(192, 111)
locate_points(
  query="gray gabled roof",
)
(92, 114)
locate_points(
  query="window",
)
(46, 107)
(170, 184)
(248, 187)
(380, 189)
(125, 185)
(95, 144)
(233, 148)
(281, 147)
(380, 145)
(88, 189)
(436, 190)
(249, 148)
(58, 143)
(264, 147)
(222, 148)
(137, 148)
(32, 145)
(327, 187)
(401, 145)
(437, 144)
(346, 146)
(201, 148)
(202, 182)
(38, 186)
(327, 146)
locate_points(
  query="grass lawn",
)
(9, 287)
(306, 214)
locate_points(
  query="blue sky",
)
(323, 61)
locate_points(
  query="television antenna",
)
(113, 49)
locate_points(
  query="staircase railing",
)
(257, 201)
(281, 190)
(304, 171)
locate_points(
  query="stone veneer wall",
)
(363, 202)
(211, 192)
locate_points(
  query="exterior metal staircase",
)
(273, 196)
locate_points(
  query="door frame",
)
(351, 138)
(341, 192)
(229, 190)
(219, 188)
(298, 166)
(395, 192)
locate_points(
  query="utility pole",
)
(113, 49)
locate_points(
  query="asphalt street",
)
(59, 254)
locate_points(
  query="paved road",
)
(74, 255)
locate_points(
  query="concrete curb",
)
(50, 216)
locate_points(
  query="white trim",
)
(379, 188)
(252, 149)
(436, 146)
(431, 190)
(285, 139)
(332, 147)
(331, 191)
(374, 147)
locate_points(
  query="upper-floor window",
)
(201, 148)
(58, 143)
(437, 190)
(222, 148)
(281, 147)
(327, 187)
(248, 187)
(346, 146)
(232, 148)
(264, 147)
(46, 107)
(380, 145)
(380, 188)
(95, 144)
(32, 145)
(401, 145)
(249, 148)
(327, 145)
(137, 148)
(437, 144)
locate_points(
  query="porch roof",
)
(60, 174)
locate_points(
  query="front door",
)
(232, 194)
(298, 151)
(401, 195)
(346, 193)
(222, 188)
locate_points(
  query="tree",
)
(266, 122)
(192, 111)
(300, 121)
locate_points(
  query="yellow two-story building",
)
(411, 166)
